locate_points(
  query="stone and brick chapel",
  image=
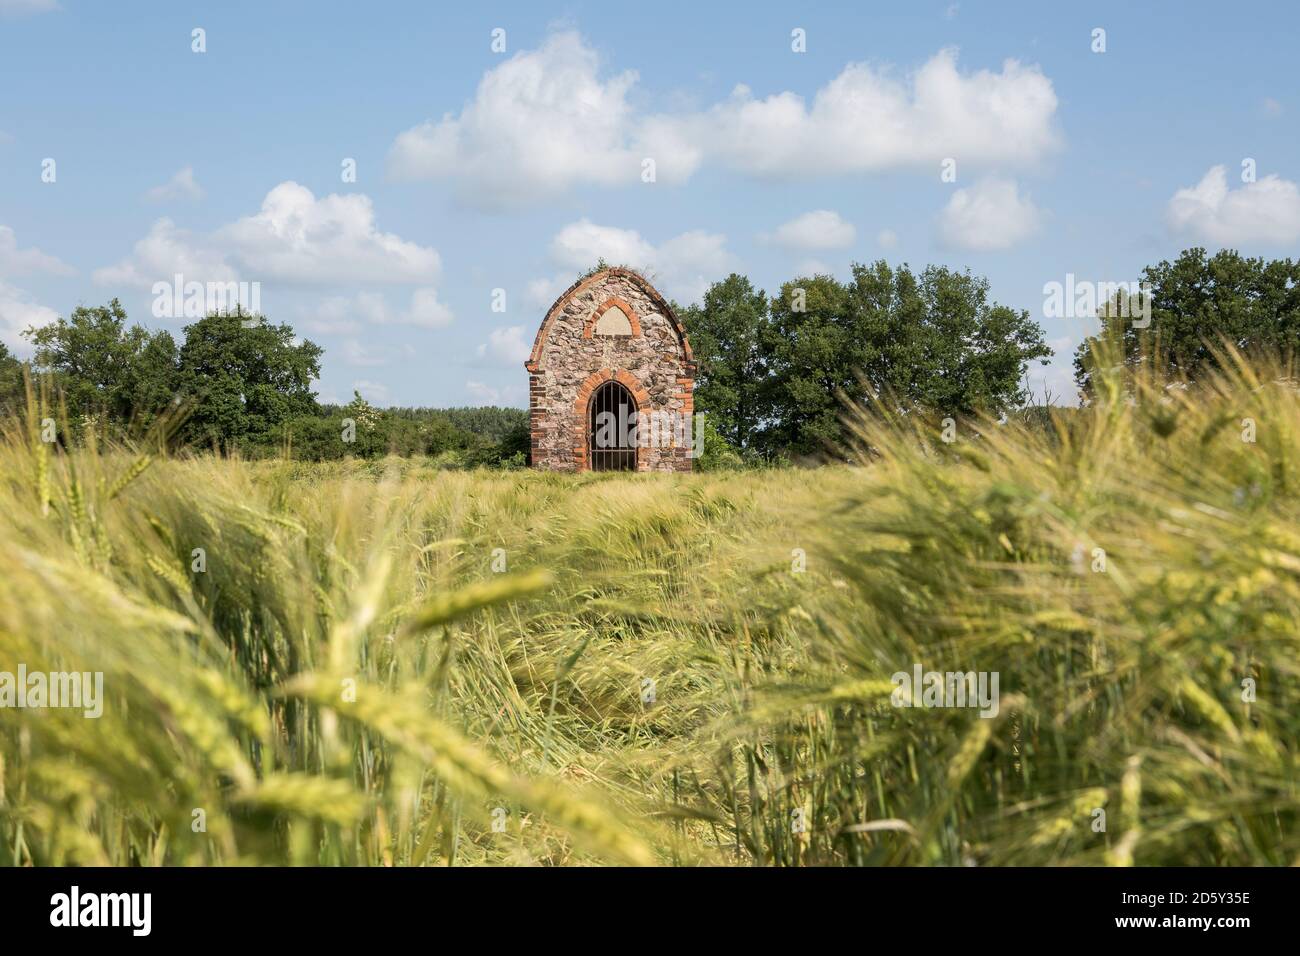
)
(610, 346)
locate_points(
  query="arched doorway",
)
(611, 429)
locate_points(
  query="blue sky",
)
(479, 170)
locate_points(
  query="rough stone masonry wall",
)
(573, 361)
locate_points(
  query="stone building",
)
(611, 352)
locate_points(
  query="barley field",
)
(388, 664)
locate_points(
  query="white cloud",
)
(425, 310)
(347, 315)
(18, 311)
(813, 267)
(866, 120)
(887, 239)
(484, 392)
(362, 355)
(988, 216)
(1264, 211)
(180, 186)
(581, 244)
(814, 231)
(691, 262)
(373, 307)
(334, 315)
(15, 261)
(539, 123)
(299, 238)
(374, 392)
(164, 252)
(545, 121)
(354, 353)
(506, 346)
(294, 238)
(540, 293)
(683, 266)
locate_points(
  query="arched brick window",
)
(613, 322)
(614, 316)
(611, 428)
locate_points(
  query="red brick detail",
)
(536, 417)
(686, 395)
(582, 285)
(582, 410)
(589, 328)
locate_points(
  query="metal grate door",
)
(611, 444)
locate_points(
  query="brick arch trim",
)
(582, 285)
(614, 302)
(582, 407)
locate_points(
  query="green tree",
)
(936, 341)
(1197, 302)
(11, 382)
(369, 436)
(104, 367)
(809, 360)
(725, 333)
(488, 421)
(716, 453)
(151, 381)
(933, 341)
(515, 446)
(312, 437)
(245, 377)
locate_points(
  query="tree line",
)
(1198, 304)
(238, 383)
(776, 373)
